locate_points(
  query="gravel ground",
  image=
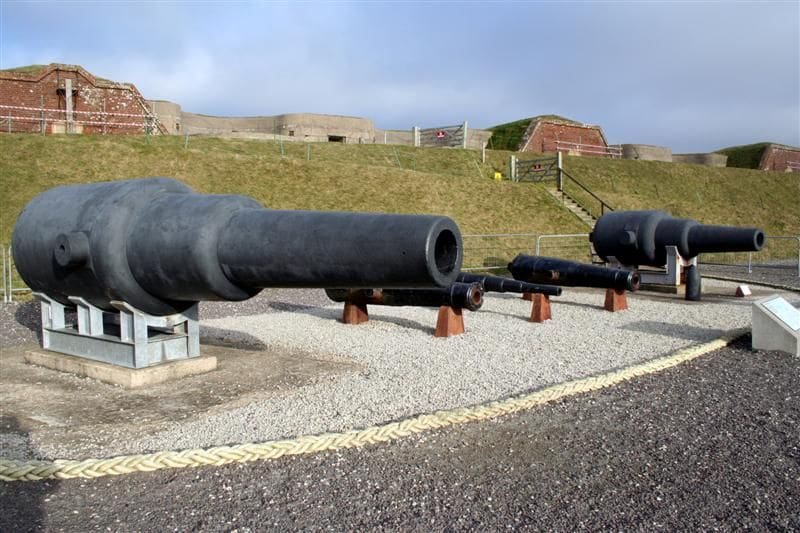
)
(411, 372)
(709, 445)
(408, 371)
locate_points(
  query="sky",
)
(693, 76)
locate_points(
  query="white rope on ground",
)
(91, 468)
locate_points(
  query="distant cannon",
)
(553, 271)
(655, 238)
(151, 249)
(451, 302)
(501, 284)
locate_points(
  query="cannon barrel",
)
(641, 237)
(459, 295)
(550, 270)
(501, 284)
(161, 247)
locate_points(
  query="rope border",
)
(11, 470)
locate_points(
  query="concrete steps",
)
(573, 206)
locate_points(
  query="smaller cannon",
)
(501, 284)
(451, 302)
(655, 238)
(458, 295)
(553, 271)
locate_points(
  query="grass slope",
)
(395, 179)
(745, 156)
(711, 195)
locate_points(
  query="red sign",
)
(441, 134)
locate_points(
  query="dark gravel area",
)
(780, 274)
(711, 444)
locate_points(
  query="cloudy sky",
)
(690, 75)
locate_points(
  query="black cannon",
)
(635, 238)
(458, 296)
(501, 284)
(641, 237)
(553, 271)
(159, 246)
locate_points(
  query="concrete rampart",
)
(711, 160)
(646, 152)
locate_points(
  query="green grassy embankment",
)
(395, 179)
(745, 156)
(711, 195)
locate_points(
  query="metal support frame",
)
(670, 275)
(130, 338)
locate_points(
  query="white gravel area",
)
(410, 372)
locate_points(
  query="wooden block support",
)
(743, 290)
(355, 313)
(450, 322)
(615, 300)
(527, 296)
(540, 310)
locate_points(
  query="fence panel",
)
(779, 261)
(12, 283)
(495, 251)
(572, 246)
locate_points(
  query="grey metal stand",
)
(671, 275)
(130, 338)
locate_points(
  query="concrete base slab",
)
(129, 378)
(666, 289)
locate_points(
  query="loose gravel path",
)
(711, 444)
(406, 371)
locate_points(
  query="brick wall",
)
(99, 106)
(546, 136)
(778, 158)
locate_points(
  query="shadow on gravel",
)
(22, 502)
(289, 307)
(227, 338)
(682, 331)
(28, 314)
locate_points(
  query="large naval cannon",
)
(152, 248)
(655, 238)
(159, 246)
(553, 271)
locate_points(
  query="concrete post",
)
(415, 137)
(466, 132)
(68, 99)
(512, 168)
(559, 176)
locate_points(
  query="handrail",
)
(603, 205)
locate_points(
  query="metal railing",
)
(494, 251)
(574, 249)
(101, 120)
(794, 166)
(567, 180)
(8, 275)
(780, 253)
(612, 150)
